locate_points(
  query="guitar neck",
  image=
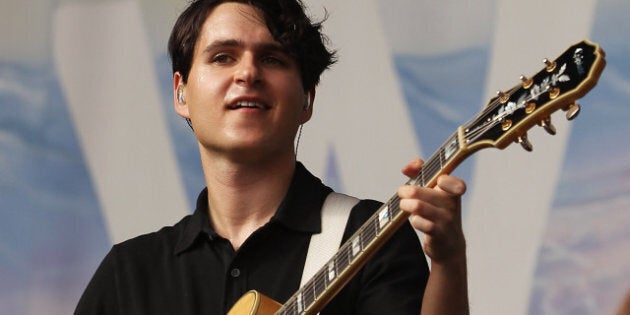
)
(366, 241)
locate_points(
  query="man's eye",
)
(222, 58)
(273, 60)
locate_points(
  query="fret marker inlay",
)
(300, 304)
(383, 217)
(356, 246)
(450, 149)
(331, 271)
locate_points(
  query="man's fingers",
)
(411, 170)
(451, 185)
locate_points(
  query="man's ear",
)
(308, 106)
(179, 96)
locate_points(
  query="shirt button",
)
(235, 273)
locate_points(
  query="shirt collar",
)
(195, 225)
(300, 210)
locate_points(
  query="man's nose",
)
(248, 71)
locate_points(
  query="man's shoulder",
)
(164, 239)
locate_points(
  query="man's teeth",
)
(248, 105)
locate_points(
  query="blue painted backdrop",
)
(52, 231)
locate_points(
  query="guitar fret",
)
(341, 261)
(317, 285)
(313, 293)
(309, 295)
(372, 230)
(395, 209)
(347, 256)
(322, 280)
(423, 183)
(433, 166)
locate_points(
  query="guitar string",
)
(495, 103)
(369, 231)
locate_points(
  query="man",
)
(244, 78)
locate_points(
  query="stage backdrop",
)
(91, 152)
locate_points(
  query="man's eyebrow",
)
(222, 44)
(265, 46)
(272, 47)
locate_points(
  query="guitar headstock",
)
(508, 116)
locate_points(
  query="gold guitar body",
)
(254, 303)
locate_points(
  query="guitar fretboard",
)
(366, 240)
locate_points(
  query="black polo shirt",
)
(189, 269)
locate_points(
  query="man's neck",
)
(242, 197)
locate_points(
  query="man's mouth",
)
(248, 104)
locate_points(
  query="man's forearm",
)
(447, 290)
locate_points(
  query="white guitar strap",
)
(323, 246)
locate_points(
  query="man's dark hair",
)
(286, 21)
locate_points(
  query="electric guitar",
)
(505, 119)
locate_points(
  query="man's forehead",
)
(242, 22)
(235, 13)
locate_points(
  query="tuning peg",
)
(524, 141)
(572, 110)
(553, 92)
(548, 126)
(506, 124)
(527, 82)
(503, 97)
(550, 65)
(530, 107)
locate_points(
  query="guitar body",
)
(254, 303)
